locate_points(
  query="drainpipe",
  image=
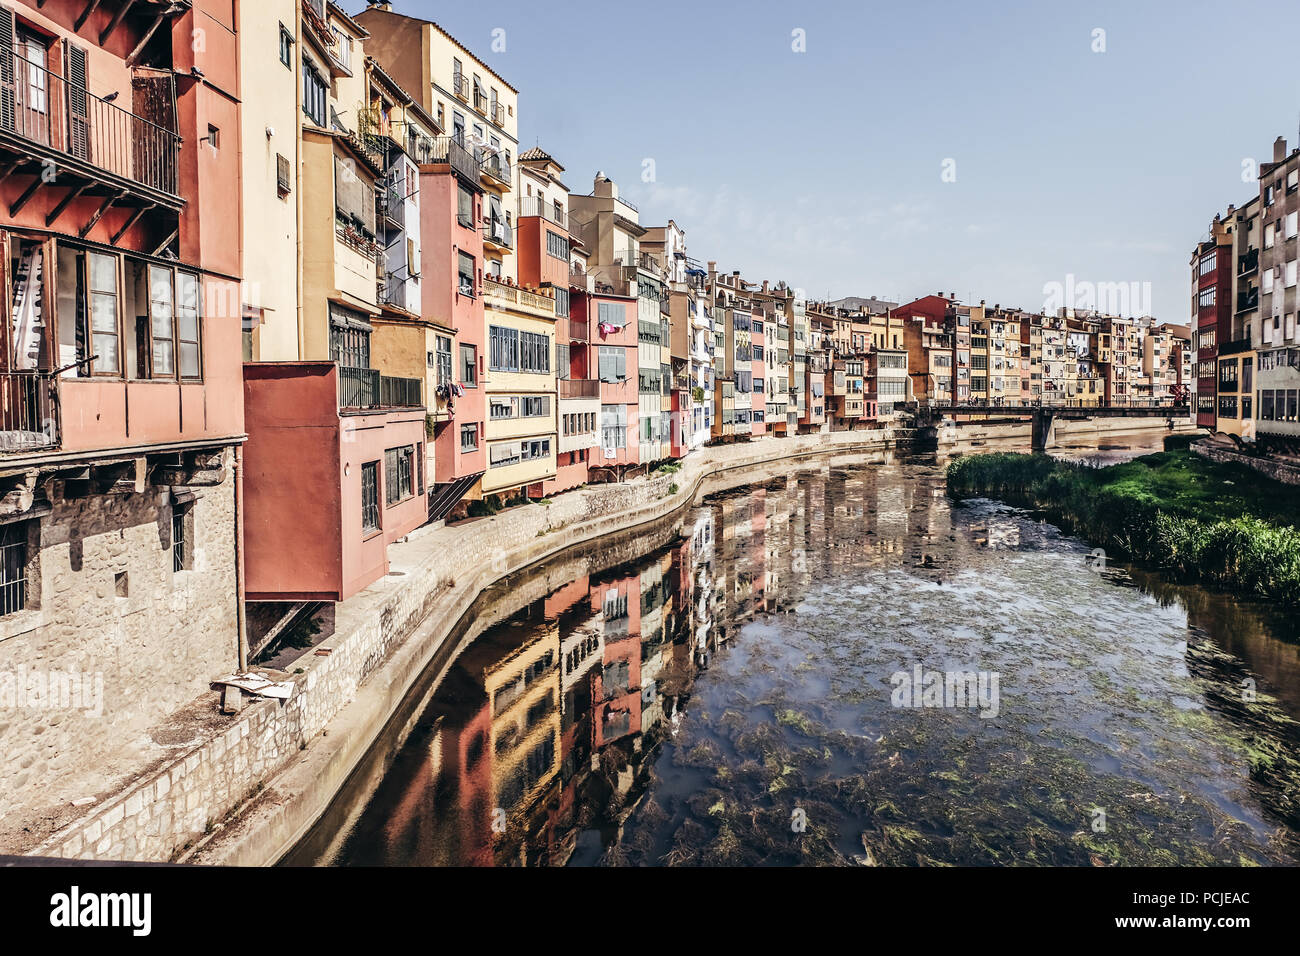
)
(241, 621)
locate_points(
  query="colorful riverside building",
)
(515, 345)
(1275, 332)
(121, 418)
(328, 423)
(1212, 275)
(610, 233)
(544, 244)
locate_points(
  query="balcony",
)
(498, 235)
(366, 388)
(1248, 263)
(1247, 300)
(480, 102)
(460, 87)
(45, 117)
(29, 411)
(493, 167)
(391, 206)
(452, 152)
(537, 206)
(500, 293)
(578, 388)
(577, 329)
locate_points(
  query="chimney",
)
(982, 302)
(379, 5)
(1279, 149)
(604, 187)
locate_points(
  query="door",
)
(32, 85)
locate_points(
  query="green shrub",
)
(1192, 519)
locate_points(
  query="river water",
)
(734, 688)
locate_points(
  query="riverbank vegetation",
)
(1218, 524)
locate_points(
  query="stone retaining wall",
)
(1273, 468)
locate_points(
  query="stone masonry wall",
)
(134, 639)
(1278, 470)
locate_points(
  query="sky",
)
(989, 149)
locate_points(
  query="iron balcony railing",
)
(43, 107)
(29, 411)
(399, 392)
(450, 150)
(537, 206)
(367, 388)
(494, 165)
(499, 232)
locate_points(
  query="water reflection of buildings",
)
(544, 729)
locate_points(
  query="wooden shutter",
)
(78, 103)
(8, 119)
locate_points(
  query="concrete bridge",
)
(1045, 417)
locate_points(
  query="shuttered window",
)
(78, 104)
(8, 119)
(354, 198)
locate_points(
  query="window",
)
(511, 350)
(370, 496)
(13, 567)
(465, 207)
(469, 366)
(283, 183)
(613, 428)
(349, 342)
(466, 274)
(442, 361)
(613, 363)
(344, 47)
(315, 92)
(503, 349)
(534, 352)
(104, 310)
(286, 46)
(468, 437)
(187, 325)
(512, 453)
(561, 301)
(557, 246)
(1206, 299)
(161, 328)
(399, 474)
(611, 313)
(181, 552)
(1207, 263)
